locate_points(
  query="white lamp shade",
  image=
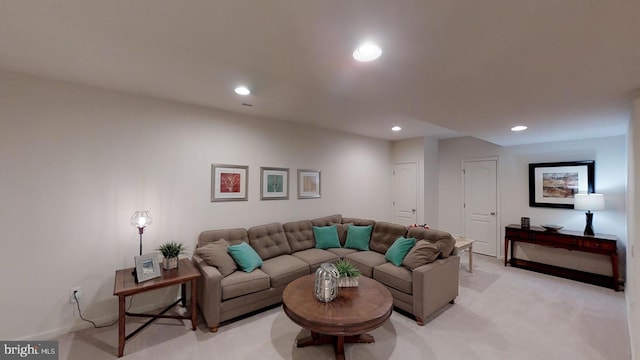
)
(589, 202)
(141, 219)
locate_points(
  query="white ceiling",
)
(568, 69)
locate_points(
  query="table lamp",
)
(141, 219)
(589, 202)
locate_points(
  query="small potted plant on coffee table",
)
(348, 272)
(170, 250)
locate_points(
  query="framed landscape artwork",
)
(555, 184)
(229, 182)
(308, 184)
(274, 183)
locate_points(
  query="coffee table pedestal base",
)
(337, 341)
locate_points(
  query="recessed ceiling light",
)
(367, 52)
(519, 128)
(242, 90)
(396, 128)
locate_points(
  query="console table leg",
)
(614, 263)
(506, 250)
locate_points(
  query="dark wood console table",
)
(564, 239)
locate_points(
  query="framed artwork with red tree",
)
(229, 182)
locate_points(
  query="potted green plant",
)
(348, 273)
(171, 250)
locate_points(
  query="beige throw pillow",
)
(216, 254)
(423, 252)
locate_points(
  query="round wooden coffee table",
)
(347, 318)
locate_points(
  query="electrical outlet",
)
(78, 292)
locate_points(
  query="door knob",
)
(413, 211)
(493, 213)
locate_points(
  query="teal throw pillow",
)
(399, 249)
(358, 237)
(326, 237)
(244, 255)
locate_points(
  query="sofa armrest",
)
(434, 285)
(209, 292)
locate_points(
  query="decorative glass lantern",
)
(326, 282)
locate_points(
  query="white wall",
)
(609, 154)
(632, 288)
(76, 162)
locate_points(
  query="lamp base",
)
(588, 230)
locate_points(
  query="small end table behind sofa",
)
(462, 244)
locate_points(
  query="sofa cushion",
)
(327, 220)
(442, 239)
(399, 249)
(397, 277)
(233, 236)
(342, 252)
(269, 240)
(299, 235)
(315, 257)
(384, 234)
(342, 233)
(284, 269)
(216, 254)
(422, 253)
(358, 237)
(326, 236)
(245, 256)
(365, 261)
(241, 283)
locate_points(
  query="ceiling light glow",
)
(242, 90)
(367, 52)
(519, 128)
(396, 128)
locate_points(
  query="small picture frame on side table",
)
(147, 267)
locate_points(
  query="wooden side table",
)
(465, 244)
(125, 285)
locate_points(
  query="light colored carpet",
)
(501, 313)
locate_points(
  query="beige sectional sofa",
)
(288, 251)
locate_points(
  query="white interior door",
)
(405, 187)
(480, 205)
